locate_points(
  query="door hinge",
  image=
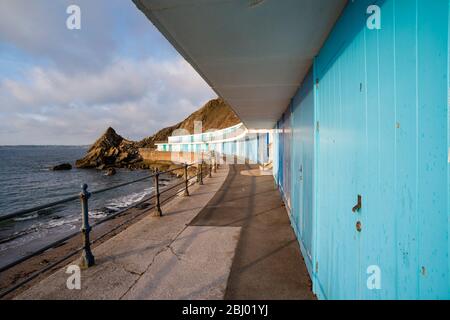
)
(317, 266)
(318, 126)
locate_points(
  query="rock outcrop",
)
(110, 150)
(111, 172)
(62, 167)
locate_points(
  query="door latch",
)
(358, 205)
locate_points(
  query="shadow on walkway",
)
(267, 263)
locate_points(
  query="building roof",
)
(253, 53)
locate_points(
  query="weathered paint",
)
(381, 131)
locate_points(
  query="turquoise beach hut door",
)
(341, 173)
(303, 166)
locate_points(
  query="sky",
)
(66, 87)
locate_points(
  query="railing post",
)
(201, 173)
(87, 258)
(210, 170)
(215, 164)
(186, 180)
(158, 211)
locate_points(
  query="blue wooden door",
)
(303, 166)
(340, 134)
(382, 133)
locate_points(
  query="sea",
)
(27, 180)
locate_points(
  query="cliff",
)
(215, 114)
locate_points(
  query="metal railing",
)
(87, 258)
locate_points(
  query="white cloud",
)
(67, 87)
(109, 28)
(137, 97)
(39, 28)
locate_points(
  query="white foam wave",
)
(35, 230)
(28, 217)
(120, 203)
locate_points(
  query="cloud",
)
(39, 28)
(66, 87)
(137, 97)
(108, 28)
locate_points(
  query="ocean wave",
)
(128, 200)
(120, 203)
(35, 215)
(70, 222)
(54, 223)
(98, 214)
(27, 217)
(37, 230)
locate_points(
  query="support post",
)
(158, 211)
(87, 258)
(210, 170)
(201, 173)
(186, 181)
(198, 174)
(215, 165)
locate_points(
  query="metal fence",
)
(87, 258)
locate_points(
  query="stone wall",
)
(177, 157)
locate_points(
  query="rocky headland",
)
(113, 151)
(110, 151)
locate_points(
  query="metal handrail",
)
(86, 228)
(22, 212)
(71, 235)
(69, 255)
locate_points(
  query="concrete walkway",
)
(157, 258)
(230, 239)
(267, 263)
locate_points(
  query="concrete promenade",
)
(230, 239)
(267, 263)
